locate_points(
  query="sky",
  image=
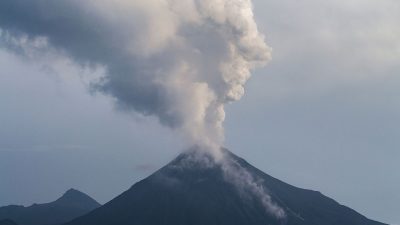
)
(322, 114)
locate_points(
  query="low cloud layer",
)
(178, 61)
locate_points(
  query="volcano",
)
(194, 190)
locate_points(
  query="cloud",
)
(179, 62)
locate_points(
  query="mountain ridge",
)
(7, 222)
(70, 205)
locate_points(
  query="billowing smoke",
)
(179, 60)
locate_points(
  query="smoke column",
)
(181, 61)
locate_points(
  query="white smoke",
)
(181, 61)
(221, 44)
(212, 45)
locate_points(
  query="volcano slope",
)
(193, 190)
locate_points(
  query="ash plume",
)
(180, 61)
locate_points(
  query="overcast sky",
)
(324, 114)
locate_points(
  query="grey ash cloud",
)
(180, 62)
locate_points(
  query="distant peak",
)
(73, 192)
(73, 196)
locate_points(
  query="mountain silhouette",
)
(69, 206)
(7, 222)
(193, 190)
